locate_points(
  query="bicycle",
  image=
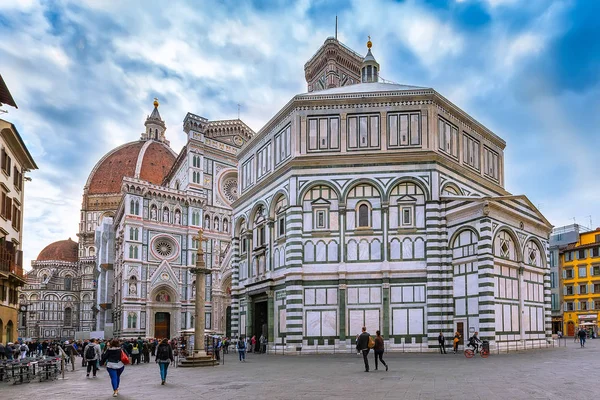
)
(470, 353)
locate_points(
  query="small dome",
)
(63, 250)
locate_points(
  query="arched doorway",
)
(163, 312)
(9, 332)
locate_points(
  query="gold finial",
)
(155, 102)
(369, 44)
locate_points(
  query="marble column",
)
(199, 321)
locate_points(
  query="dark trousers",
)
(92, 364)
(442, 348)
(135, 358)
(379, 354)
(146, 357)
(366, 359)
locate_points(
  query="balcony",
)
(11, 260)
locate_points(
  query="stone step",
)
(200, 361)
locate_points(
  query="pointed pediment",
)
(164, 275)
(321, 202)
(407, 199)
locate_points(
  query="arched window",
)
(136, 236)
(68, 316)
(504, 246)
(68, 283)
(216, 224)
(131, 251)
(363, 215)
(132, 320)
(132, 207)
(131, 234)
(135, 252)
(137, 207)
(280, 207)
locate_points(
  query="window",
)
(6, 210)
(569, 256)
(569, 273)
(490, 164)
(68, 283)
(596, 288)
(196, 177)
(582, 272)
(582, 289)
(404, 129)
(283, 145)
(5, 162)
(321, 219)
(596, 304)
(569, 290)
(323, 133)
(552, 280)
(281, 227)
(68, 316)
(596, 270)
(16, 216)
(583, 305)
(407, 215)
(363, 215)
(569, 306)
(132, 320)
(248, 173)
(581, 254)
(263, 161)
(244, 245)
(595, 252)
(471, 151)
(447, 138)
(17, 178)
(363, 132)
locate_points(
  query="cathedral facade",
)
(142, 207)
(382, 205)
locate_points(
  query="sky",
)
(84, 74)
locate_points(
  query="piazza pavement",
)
(554, 373)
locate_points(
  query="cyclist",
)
(475, 342)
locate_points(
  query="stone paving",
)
(556, 373)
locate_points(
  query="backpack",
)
(90, 353)
(135, 350)
(241, 345)
(24, 348)
(371, 342)
(162, 353)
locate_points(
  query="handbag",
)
(124, 358)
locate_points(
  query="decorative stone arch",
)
(541, 249)
(173, 295)
(255, 209)
(362, 181)
(518, 250)
(278, 194)
(451, 186)
(240, 223)
(409, 179)
(312, 184)
(458, 232)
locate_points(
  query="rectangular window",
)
(5, 162)
(596, 304)
(597, 238)
(404, 129)
(596, 288)
(596, 270)
(321, 219)
(583, 305)
(281, 227)
(363, 132)
(569, 273)
(470, 151)
(248, 173)
(447, 138)
(17, 179)
(569, 255)
(582, 272)
(263, 161)
(490, 163)
(570, 290)
(570, 306)
(595, 252)
(581, 254)
(323, 133)
(283, 145)
(406, 216)
(582, 289)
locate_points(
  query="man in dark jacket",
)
(582, 336)
(442, 343)
(362, 345)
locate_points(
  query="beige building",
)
(15, 160)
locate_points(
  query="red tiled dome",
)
(107, 175)
(63, 250)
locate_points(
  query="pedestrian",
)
(253, 342)
(241, 348)
(164, 356)
(455, 342)
(378, 349)
(23, 349)
(442, 343)
(582, 335)
(135, 353)
(114, 366)
(146, 352)
(91, 356)
(70, 351)
(363, 344)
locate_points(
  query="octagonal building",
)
(382, 205)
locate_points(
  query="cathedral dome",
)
(63, 250)
(149, 160)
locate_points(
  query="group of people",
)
(364, 344)
(474, 342)
(251, 345)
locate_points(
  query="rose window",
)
(230, 190)
(164, 247)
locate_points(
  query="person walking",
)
(378, 350)
(253, 342)
(455, 342)
(71, 352)
(442, 343)
(91, 355)
(164, 356)
(136, 353)
(146, 352)
(582, 336)
(241, 348)
(362, 345)
(114, 366)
